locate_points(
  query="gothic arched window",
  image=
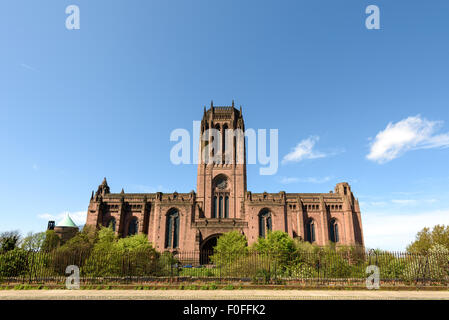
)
(220, 208)
(310, 231)
(214, 210)
(223, 144)
(264, 222)
(133, 227)
(220, 203)
(226, 207)
(215, 145)
(172, 229)
(334, 236)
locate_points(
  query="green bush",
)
(302, 270)
(112, 257)
(51, 241)
(432, 266)
(13, 263)
(277, 243)
(262, 276)
(231, 246)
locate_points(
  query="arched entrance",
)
(207, 248)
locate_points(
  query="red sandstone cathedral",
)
(193, 221)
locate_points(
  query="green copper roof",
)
(66, 222)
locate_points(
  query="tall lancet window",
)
(334, 236)
(310, 231)
(226, 207)
(265, 224)
(220, 208)
(220, 198)
(215, 208)
(223, 143)
(172, 229)
(216, 144)
(204, 154)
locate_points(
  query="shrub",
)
(302, 270)
(275, 250)
(13, 263)
(113, 257)
(230, 249)
(262, 276)
(232, 242)
(432, 266)
(168, 264)
(391, 265)
(276, 242)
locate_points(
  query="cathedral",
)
(180, 222)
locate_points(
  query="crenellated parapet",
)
(265, 198)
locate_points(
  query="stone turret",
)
(66, 229)
(102, 190)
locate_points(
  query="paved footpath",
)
(220, 295)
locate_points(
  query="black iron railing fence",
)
(147, 266)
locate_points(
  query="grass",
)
(199, 272)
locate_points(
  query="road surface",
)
(220, 295)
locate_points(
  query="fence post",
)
(275, 268)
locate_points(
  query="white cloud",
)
(304, 150)
(373, 203)
(315, 180)
(79, 217)
(396, 231)
(406, 193)
(399, 202)
(409, 134)
(287, 180)
(404, 201)
(24, 65)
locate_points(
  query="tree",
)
(105, 239)
(276, 242)
(111, 256)
(9, 241)
(138, 242)
(83, 241)
(232, 242)
(33, 241)
(51, 241)
(231, 253)
(275, 253)
(305, 246)
(425, 239)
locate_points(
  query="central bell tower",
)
(221, 180)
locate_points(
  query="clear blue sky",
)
(79, 105)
